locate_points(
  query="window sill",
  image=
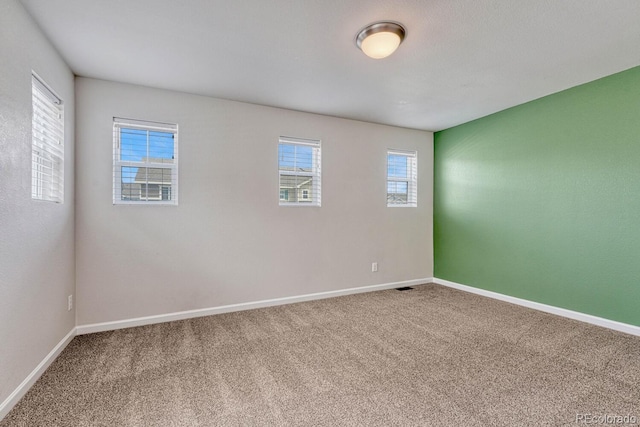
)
(119, 203)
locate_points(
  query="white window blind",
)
(299, 171)
(47, 143)
(402, 178)
(145, 162)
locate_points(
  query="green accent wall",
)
(542, 201)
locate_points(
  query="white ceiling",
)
(461, 59)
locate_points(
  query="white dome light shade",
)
(380, 45)
(381, 39)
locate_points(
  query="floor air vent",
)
(406, 288)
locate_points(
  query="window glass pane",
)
(295, 157)
(304, 158)
(397, 187)
(295, 188)
(133, 144)
(131, 190)
(161, 147)
(397, 191)
(286, 156)
(146, 183)
(138, 145)
(397, 166)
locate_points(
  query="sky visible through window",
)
(295, 157)
(397, 167)
(138, 145)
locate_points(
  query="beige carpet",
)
(428, 356)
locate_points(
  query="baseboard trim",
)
(575, 315)
(181, 315)
(24, 387)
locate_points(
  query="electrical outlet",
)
(374, 267)
(69, 302)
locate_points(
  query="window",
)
(299, 169)
(47, 143)
(402, 178)
(145, 166)
(166, 193)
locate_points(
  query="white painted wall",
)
(228, 241)
(36, 237)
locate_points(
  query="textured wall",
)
(37, 238)
(228, 241)
(541, 201)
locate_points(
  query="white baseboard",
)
(575, 315)
(169, 317)
(24, 387)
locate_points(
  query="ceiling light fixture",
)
(380, 39)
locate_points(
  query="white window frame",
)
(118, 164)
(315, 173)
(411, 179)
(47, 142)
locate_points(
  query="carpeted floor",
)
(428, 356)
